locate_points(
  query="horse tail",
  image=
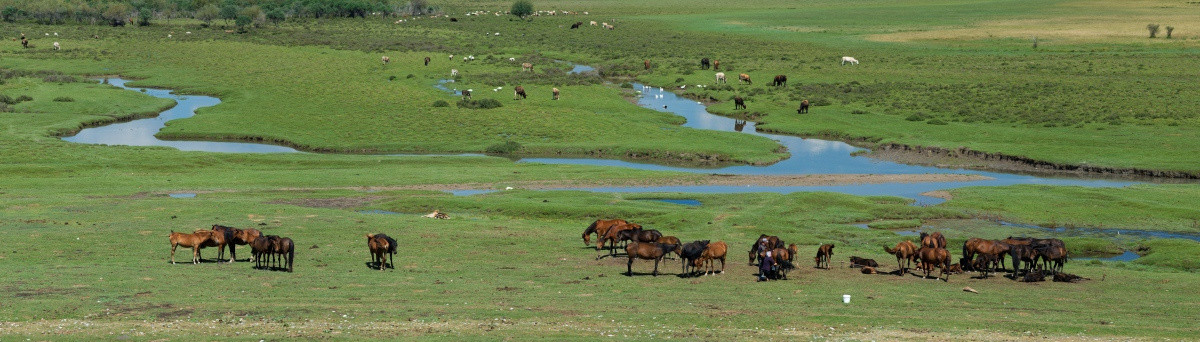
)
(787, 265)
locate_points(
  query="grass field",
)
(86, 226)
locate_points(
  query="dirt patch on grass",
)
(943, 194)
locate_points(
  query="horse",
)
(245, 237)
(599, 227)
(647, 251)
(763, 243)
(378, 244)
(931, 257)
(739, 125)
(935, 240)
(519, 91)
(286, 250)
(224, 236)
(426, 60)
(985, 264)
(780, 81)
(823, 254)
(716, 64)
(704, 63)
(386, 59)
(744, 78)
(720, 77)
(783, 259)
(466, 94)
(527, 67)
(646, 63)
(739, 101)
(860, 262)
(1055, 254)
(260, 247)
(904, 252)
(955, 269)
(24, 43)
(576, 25)
(196, 240)
(848, 59)
(1022, 253)
(714, 251)
(555, 91)
(996, 248)
(690, 252)
(639, 235)
(803, 107)
(792, 251)
(611, 236)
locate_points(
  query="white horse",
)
(453, 72)
(848, 59)
(721, 77)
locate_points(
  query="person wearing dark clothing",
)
(764, 268)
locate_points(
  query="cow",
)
(738, 101)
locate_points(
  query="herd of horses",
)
(1039, 256)
(273, 251)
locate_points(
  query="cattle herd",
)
(1032, 259)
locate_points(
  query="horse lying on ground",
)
(860, 262)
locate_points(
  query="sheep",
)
(555, 91)
(453, 72)
(848, 59)
(56, 47)
(511, 59)
(593, 23)
(386, 59)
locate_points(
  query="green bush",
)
(441, 103)
(936, 122)
(480, 104)
(24, 98)
(63, 99)
(508, 147)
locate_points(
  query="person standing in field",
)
(765, 267)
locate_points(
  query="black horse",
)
(704, 63)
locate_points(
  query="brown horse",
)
(860, 262)
(783, 258)
(763, 243)
(931, 257)
(611, 236)
(245, 237)
(716, 64)
(994, 248)
(599, 227)
(935, 240)
(647, 251)
(519, 93)
(803, 107)
(1052, 254)
(714, 251)
(197, 240)
(1019, 254)
(639, 235)
(261, 247)
(744, 78)
(780, 81)
(985, 263)
(792, 251)
(224, 236)
(647, 63)
(823, 254)
(904, 251)
(286, 250)
(691, 252)
(426, 61)
(738, 101)
(378, 244)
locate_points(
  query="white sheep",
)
(848, 59)
(56, 47)
(453, 72)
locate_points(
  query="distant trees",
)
(1153, 28)
(208, 13)
(522, 9)
(118, 13)
(259, 12)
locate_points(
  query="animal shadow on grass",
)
(375, 265)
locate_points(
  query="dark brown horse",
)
(994, 248)
(611, 237)
(860, 262)
(704, 64)
(1053, 257)
(803, 107)
(245, 237)
(1019, 254)
(780, 81)
(261, 248)
(738, 101)
(519, 92)
(824, 253)
(935, 240)
(714, 251)
(286, 250)
(792, 251)
(935, 257)
(224, 236)
(197, 240)
(647, 251)
(690, 253)
(905, 252)
(639, 235)
(647, 63)
(426, 61)
(378, 244)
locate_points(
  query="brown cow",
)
(803, 107)
(780, 81)
(824, 253)
(714, 251)
(518, 93)
(527, 67)
(196, 240)
(738, 101)
(904, 251)
(744, 78)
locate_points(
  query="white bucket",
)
(846, 299)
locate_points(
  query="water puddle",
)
(1109, 232)
(687, 202)
(182, 195)
(1127, 256)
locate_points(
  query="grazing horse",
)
(647, 63)
(690, 253)
(904, 251)
(599, 227)
(518, 92)
(704, 63)
(783, 258)
(931, 257)
(848, 59)
(860, 262)
(1055, 254)
(555, 91)
(466, 94)
(744, 78)
(714, 251)
(720, 77)
(780, 81)
(1019, 254)
(716, 64)
(197, 240)
(611, 235)
(738, 101)
(527, 67)
(648, 251)
(426, 60)
(378, 244)
(386, 60)
(995, 248)
(224, 236)
(576, 25)
(763, 243)
(639, 235)
(261, 247)
(935, 240)
(286, 250)
(824, 253)
(803, 107)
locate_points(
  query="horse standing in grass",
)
(1019, 254)
(824, 253)
(261, 247)
(994, 248)
(647, 251)
(611, 237)
(427, 61)
(689, 253)
(904, 252)
(780, 81)
(738, 101)
(245, 237)
(716, 64)
(931, 257)
(600, 227)
(196, 240)
(803, 107)
(744, 78)
(714, 251)
(286, 250)
(378, 244)
(935, 240)
(1053, 257)
(224, 236)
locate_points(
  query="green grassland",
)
(85, 254)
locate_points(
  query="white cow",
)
(721, 77)
(848, 59)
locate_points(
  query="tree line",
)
(257, 12)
